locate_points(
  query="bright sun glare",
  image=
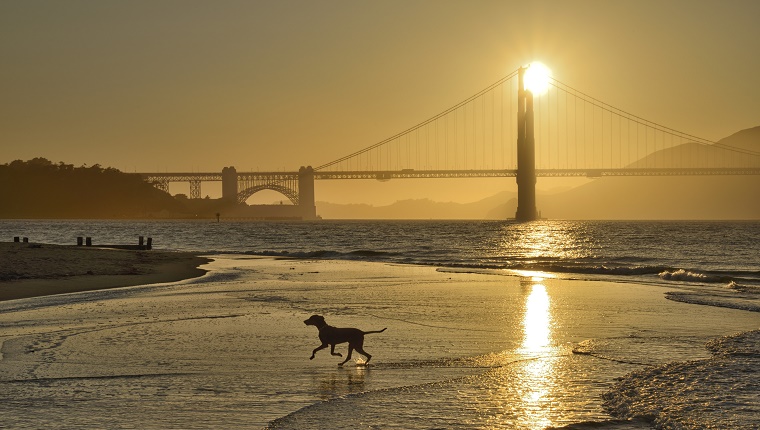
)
(537, 78)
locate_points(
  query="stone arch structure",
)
(298, 187)
(291, 194)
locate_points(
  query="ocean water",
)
(549, 324)
(703, 252)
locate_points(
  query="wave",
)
(733, 285)
(428, 258)
(716, 300)
(674, 395)
(692, 276)
(612, 424)
(345, 406)
(363, 254)
(594, 267)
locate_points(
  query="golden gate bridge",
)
(503, 130)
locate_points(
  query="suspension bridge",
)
(503, 130)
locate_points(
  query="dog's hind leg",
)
(364, 353)
(348, 357)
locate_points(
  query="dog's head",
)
(316, 320)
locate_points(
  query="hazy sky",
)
(272, 85)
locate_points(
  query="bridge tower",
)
(306, 193)
(526, 153)
(229, 184)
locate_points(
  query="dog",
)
(332, 336)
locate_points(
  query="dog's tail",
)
(376, 331)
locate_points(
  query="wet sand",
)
(33, 270)
(230, 349)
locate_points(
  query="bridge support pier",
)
(306, 193)
(526, 154)
(229, 185)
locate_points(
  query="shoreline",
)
(35, 270)
(548, 348)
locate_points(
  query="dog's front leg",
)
(323, 346)
(332, 351)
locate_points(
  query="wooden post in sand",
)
(80, 241)
(88, 241)
(26, 240)
(150, 243)
(141, 240)
(16, 239)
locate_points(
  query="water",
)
(697, 251)
(490, 325)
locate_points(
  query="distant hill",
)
(417, 209)
(677, 197)
(748, 139)
(39, 188)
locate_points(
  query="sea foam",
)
(687, 275)
(719, 392)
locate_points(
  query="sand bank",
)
(31, 270)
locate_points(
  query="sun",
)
(537, 78)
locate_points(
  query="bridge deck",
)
(432, 174)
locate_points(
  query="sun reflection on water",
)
(545, 241)
(536, 374)
(537, 321)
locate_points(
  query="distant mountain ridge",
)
(748, 139)
(415, 209)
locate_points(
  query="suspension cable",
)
(643, 121)
(423, 123)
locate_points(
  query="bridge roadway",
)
(288, 182)
(298, 187)
(432, 174)
(547, 173)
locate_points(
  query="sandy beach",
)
(32, 270)
(230, 349)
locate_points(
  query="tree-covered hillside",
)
(39, 188)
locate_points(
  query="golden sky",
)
(273, 85)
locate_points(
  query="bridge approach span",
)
(298, 187)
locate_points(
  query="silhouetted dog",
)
(332, 336)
